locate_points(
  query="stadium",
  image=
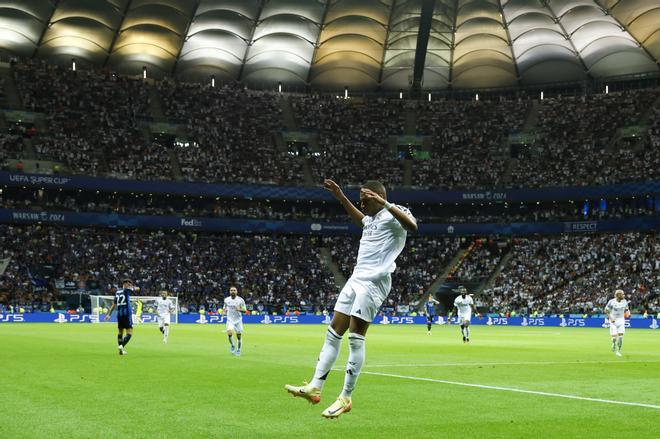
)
(240, 188)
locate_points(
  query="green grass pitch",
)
(68, 381)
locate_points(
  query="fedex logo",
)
(11, 318)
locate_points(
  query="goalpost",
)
(101, 304)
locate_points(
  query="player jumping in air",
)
(464, 305)
(430, 312)
(616, 311)
(384, 230)
(164, 309)
(234, 308)
(124, 324)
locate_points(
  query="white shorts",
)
(163, 319)
(465, 317)
(618, 327)
(362, 298)
(236, 327)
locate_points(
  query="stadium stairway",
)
(288, 116)
(155, 104)
(446, 270)
(491, 279)
(410, 127)
(13, 98)
(331, 265)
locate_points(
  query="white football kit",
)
(164, 307)
(617, 312)
(464, 306)
(234, 317)
(383, 238)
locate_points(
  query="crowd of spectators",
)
(468, 148)
(353, 138)
(92, 120)
(578, 273)
(94, 126)
(232, 130)
(273, 273)
(279, 273)
(575, 142)
(11, 147)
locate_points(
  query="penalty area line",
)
(514, 390)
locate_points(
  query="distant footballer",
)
(122, 303)
(164, 310)
(234, 308)
(617, 311)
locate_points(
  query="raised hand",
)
(333, 188)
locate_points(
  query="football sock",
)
(240, 342)
(119, 339)
(327, 357)
(354, 365)
(619, 342)
(428, 326)
(161, 330)
(467, 332)
(166, 331)
(231, 341)
(126, 339)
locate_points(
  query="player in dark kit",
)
(124, 315)
(430, 312)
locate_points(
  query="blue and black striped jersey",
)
(123, 302)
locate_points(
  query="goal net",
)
(101, 305)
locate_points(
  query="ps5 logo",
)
(11, 318)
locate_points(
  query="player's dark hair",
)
(376, 186)
(127, 281)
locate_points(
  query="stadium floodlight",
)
(400, 95)
(73, 64)
(144, 72)
(279, 87)
(541, 95)
(429, 96)
(213, 81)
(345, 92)
(476, 96)
(607, 89)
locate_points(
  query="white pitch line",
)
(513, 389)
(520, 363)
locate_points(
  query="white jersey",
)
(617, 309)
(464, 306)
(232, 306)
(164, 306)
(383, 238)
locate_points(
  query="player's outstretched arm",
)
(407, 222)
(353, 212)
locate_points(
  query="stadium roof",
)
(329, 44)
